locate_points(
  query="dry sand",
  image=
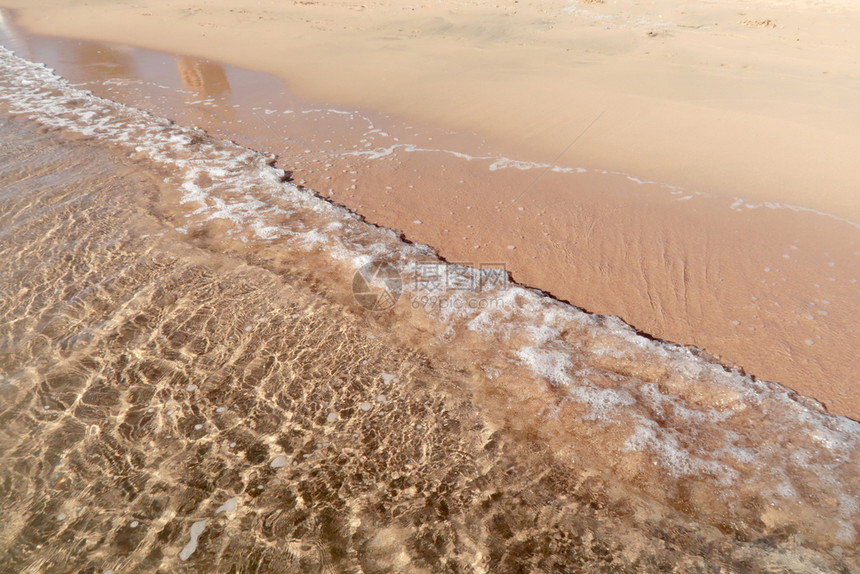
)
(754, 100)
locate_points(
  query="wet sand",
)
(185, 388)
(770, 289)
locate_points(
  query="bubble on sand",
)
(381, 398)
(232, 445)
(196, 530)
(365, 407)
(190, 388)
(228, 506)
(198, 427)
(387, 378)
(220, 410)
(332, 417)
(61, 517)
(134, 524)
(278, 462)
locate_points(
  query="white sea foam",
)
(498, 163)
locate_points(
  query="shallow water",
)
(188, 382)
(768, 287)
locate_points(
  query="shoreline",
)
(200, 323)
(206, 461)
(562, 250)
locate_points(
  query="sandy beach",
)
(719, 208)
(208, 363)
